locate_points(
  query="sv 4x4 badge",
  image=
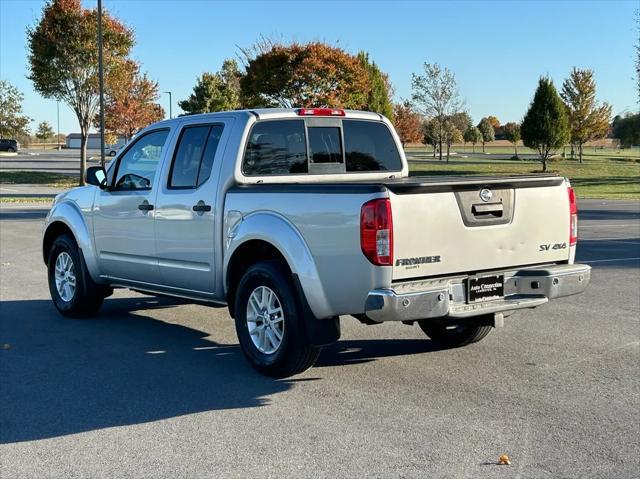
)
(549, 247)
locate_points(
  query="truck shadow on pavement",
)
(61, 376)
(367, 350)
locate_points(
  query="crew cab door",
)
(123, 214)
(187, 208)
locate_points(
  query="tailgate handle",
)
(488, 209)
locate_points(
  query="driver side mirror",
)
(97, 176)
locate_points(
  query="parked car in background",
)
(112, 150)
(293, 218)
(12, 146)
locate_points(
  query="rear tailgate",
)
(448, 226)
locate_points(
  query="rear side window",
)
(193, 159)
(369, 146)
(276, 148)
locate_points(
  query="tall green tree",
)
(12, 122)
(451, 135)
(487, 131)
(436, 94)
(44, 131)
(218, 91)
(305, 75)
(461, 120)
(626, 129)
(381, 92)
(63, 59)
(473, 136)
(588, 120)
(431, 134)
(545, 127)
(512, 134)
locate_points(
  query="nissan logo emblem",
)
(486, 194)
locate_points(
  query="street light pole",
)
(58, 113)
(101, 79)
(170, 104)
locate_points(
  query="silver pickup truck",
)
(295, 217)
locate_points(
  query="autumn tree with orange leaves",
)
(131, 102)
(63, 59)
(304, 75)
(407, 122)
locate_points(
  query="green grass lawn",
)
(632, 154)
(15, 200)
(38, 178)
(600, 176)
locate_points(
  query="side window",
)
(369, 146)
(193, 159)
(137, 168)
(209, 153)
(276, 148)
(186, 160)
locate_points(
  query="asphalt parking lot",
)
(155, 388)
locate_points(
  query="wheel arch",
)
(65, 218)
(264, 236)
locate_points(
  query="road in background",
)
(156, 388)
(51, 161)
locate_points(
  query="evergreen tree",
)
(545, 127)
(218, 91)
(379, 98)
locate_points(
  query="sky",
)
(496, 49)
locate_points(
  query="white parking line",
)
(609, 238)
(621, 260)
(610, 225)
(612, 240)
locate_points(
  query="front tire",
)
(456, 335)
(269, 322)
(72, 290)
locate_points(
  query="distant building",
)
(93, 142)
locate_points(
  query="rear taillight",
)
(573, 218)
(376, 231)
(320, 112)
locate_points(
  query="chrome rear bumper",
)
(524, 288)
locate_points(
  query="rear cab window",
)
(319, 146)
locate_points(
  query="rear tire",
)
(269, 322)
(455, 335)
(72, 290)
